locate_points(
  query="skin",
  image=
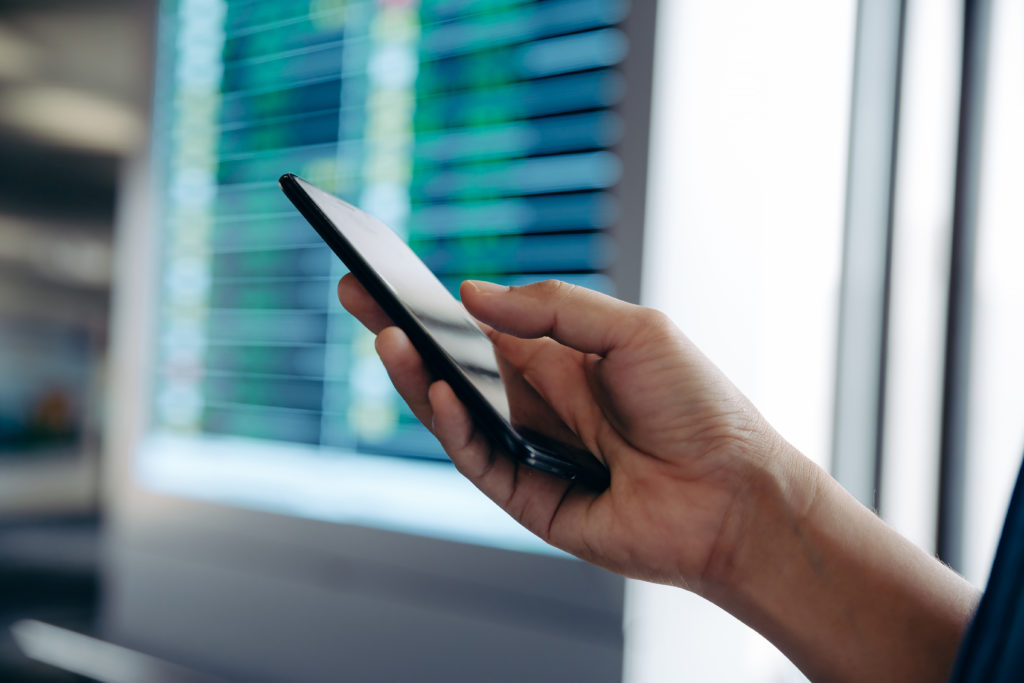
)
(704, 494)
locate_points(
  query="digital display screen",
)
(483, 132)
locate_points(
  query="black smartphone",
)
(453, 347)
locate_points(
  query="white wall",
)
(745, 210)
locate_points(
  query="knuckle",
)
(551, 288)
(652, 318)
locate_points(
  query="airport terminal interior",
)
(205, 472)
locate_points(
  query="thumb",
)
(581, 318)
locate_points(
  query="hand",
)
(687, 452)
(703, 495)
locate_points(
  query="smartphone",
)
(452, 345)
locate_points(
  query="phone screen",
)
(418, 302)
(422, 294)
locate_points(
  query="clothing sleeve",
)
(993, 648)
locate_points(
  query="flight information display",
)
(482, 131)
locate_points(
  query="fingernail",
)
(484, 287)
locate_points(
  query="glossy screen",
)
(422, 294)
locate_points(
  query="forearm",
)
(838, 591)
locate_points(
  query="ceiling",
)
(74, 90)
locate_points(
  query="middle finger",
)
(407, 371)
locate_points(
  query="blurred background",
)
(73, 92)
(200, 457)
(69, 112)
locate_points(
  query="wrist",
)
(839, 592)
(780, 489)
(777, 580)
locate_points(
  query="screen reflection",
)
(423, 295)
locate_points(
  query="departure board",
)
(483, 131)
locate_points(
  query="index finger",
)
(586, 320)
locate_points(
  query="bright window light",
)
(745, 217)
(929, 111)
(995, 435)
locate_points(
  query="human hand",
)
(703, 494)
(688, 454)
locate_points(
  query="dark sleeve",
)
(993, 648)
